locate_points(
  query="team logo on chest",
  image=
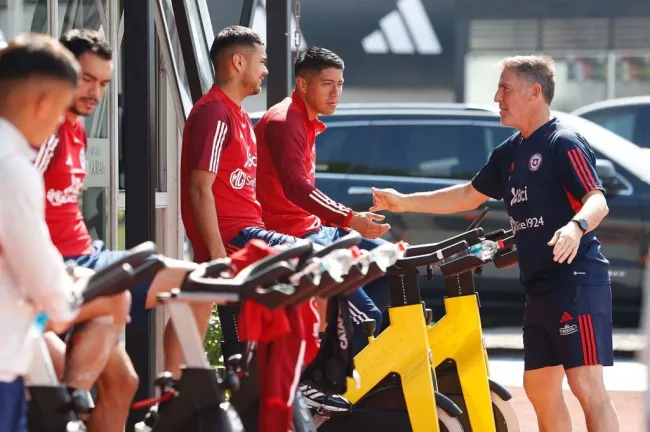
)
(535, 162)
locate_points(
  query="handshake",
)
(365, 223)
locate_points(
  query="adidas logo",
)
(259, 25)
(566, 317)
(405, 30)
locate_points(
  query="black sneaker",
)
(320, 401)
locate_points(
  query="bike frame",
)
(402, 348)
(458, 337)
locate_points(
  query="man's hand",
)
(364, 224)
(566, 242)
(387, 199)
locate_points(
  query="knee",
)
(588, 388)
(118, 381)
(372, 313)
(542, 396)
(120, 306)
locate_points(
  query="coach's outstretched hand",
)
(387, 199)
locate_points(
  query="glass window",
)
(621, 121)
(20, 16)
(342, 149)
(442, 151)
(494, 136)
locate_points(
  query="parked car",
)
(627, 117)
(424, 147)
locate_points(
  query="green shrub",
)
(213, 338)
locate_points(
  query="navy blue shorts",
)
(571, 326)
(13, 406)
(101, 258)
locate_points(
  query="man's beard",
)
(254, 88)
(76, 111)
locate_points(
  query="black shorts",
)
(571, 326)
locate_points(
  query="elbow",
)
(199, 192)
(605, 208)
(472, 198)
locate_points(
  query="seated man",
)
(37, 81)
(62, 162)
(219, 207)
(291, 202)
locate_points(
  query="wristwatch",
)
(584, 226)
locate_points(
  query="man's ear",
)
(301, 84)
(535, 91)
(239, 62)
(40, 105)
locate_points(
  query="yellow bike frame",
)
(402, 348)
(459, 336)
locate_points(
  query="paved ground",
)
(628, 406)
(626, 381)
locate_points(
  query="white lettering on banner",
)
(533, 222)
(66, 196)
(97, 159)
(519, 196)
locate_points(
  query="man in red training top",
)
(291, 202)
(219, 204)
(62, 161)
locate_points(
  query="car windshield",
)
(625, 153)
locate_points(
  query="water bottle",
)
(38, 326)
(484, 250)
(339, 261)
(313, 270)
(387, 254)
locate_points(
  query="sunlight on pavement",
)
(625, 375)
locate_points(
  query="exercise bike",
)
(398, 388)
(197, 402)
(456, 340)
(53, 407)
(334, 285)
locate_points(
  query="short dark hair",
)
(315, 59)
(81, 41)
(538, 69)
(233, 36)
(31, 54)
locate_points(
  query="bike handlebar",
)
(504, 257)
(471, 237)
(118, 276)
(263, 272)
(431, 258)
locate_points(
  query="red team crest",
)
(535, 162)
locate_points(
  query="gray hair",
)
(536, 69)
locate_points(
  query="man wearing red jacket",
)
(291, 203)
(219, 203)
